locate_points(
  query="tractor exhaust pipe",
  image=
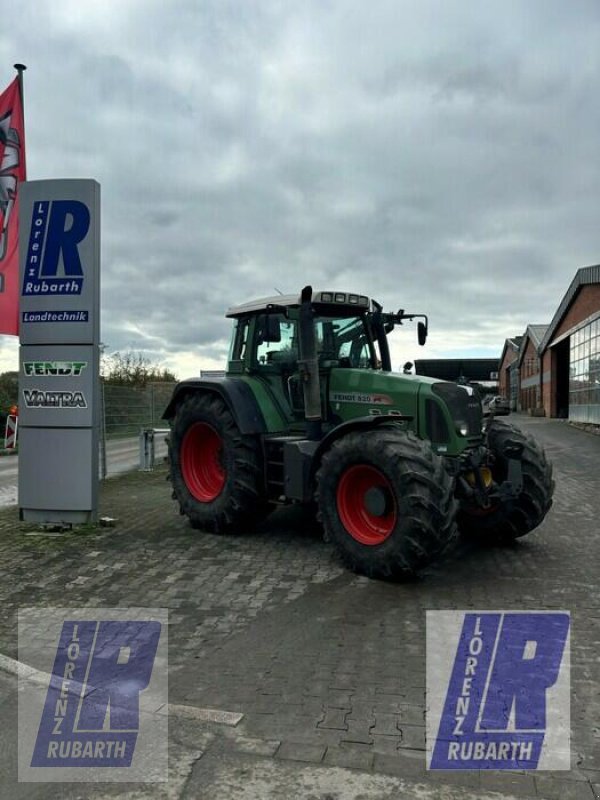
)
(309, 367)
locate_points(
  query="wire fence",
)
(128, 409)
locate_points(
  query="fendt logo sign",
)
(506, 704)
(54, 368)
(57, 228)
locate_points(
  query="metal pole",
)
(103, 469)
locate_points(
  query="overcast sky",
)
(442, 157)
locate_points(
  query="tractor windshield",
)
(341, 342)
(345, 340)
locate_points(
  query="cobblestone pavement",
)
(328, 668)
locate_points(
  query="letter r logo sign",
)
(68, 226)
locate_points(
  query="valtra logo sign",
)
(39, 398)
(57, 228)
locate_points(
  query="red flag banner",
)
(12, 172)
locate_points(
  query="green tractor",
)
(309, 412)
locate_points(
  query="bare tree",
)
(133, 369)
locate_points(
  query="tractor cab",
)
(346, 332)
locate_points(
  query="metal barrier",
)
(148, 447)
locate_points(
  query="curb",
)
(44, 679)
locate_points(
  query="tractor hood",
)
(360, 391)
(447, 414)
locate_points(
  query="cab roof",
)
(341, 300)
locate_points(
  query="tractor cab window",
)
(344, 342)
(239, 340)
(276, 342)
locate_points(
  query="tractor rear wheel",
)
(215, 470)
(386, 502)
(512, 519)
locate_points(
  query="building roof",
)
(584, 276)
(451, 369)
(514, 343)
(535, 333)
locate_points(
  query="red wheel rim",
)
(361, 524)
(201, 465)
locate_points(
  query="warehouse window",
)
(584, 374)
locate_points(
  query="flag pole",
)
(20, 70)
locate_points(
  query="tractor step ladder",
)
(274, 465)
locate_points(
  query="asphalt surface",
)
(328, 668)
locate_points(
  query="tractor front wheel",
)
(386, 502)
(215, 470)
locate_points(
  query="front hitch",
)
(473, 482)
(476, 485)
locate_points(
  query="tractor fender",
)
(359, 423)
(236, 394)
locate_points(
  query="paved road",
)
(328, 668)
(121, 455)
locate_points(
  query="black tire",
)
(511, 520)
(419, 512)
(216, 472)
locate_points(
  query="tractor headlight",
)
(462, 428)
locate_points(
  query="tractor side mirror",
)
(422, 332)
(269, 329)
